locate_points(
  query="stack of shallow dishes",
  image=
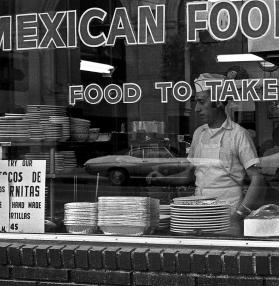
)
(44, 111)
(13, 129)
(38, 115)
(36, 131)
(164, 222)
(70, 161)
(81, 218)
(128, 215)
(65, 123)
(59, 160)
(52, 132)
(79, 129)
(199, 215)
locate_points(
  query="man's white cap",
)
(200, 81)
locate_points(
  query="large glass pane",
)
(112, 96)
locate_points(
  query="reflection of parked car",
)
(138, 163)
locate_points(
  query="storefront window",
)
(111, 98)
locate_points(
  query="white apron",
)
(211, 170)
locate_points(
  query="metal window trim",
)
(143, 240)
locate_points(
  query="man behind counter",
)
(222, 152)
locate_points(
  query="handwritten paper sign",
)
(25, 181)
(4, 204)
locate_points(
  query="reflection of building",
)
(48, 79)
(143, 66)
(40, 76)
(159, 63)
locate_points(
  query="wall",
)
(27, 264)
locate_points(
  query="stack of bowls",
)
(121, 215)
(93, 134)
(79, 129)
(81, 218)
(104, 137)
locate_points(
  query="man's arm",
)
(183, 178)
(249, 159)
(256, 190)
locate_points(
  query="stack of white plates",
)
(13, 129)
(44, 111)
(36, 131)
(52, 132)
(81, 218)
(198, 215)
(38, 117)
(65, 122)
(70, 161)
(128, 215)
(59, 160)
(164, 217)
(93, 134)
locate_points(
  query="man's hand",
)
(154, 177)
(236, 217)
(237, 224)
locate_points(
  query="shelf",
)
(51, 143)
(79, 172)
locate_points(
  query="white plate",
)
(195, 213)
(203, 220)
(194, 207)
(200, 212)
(197, 218)
(35, 106)
(164, 216)
(181, 227)
(199, 225)
(177, 231)
(12, 136)
(195, 198)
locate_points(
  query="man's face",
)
(204, 107)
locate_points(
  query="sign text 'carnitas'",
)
(22, 196)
